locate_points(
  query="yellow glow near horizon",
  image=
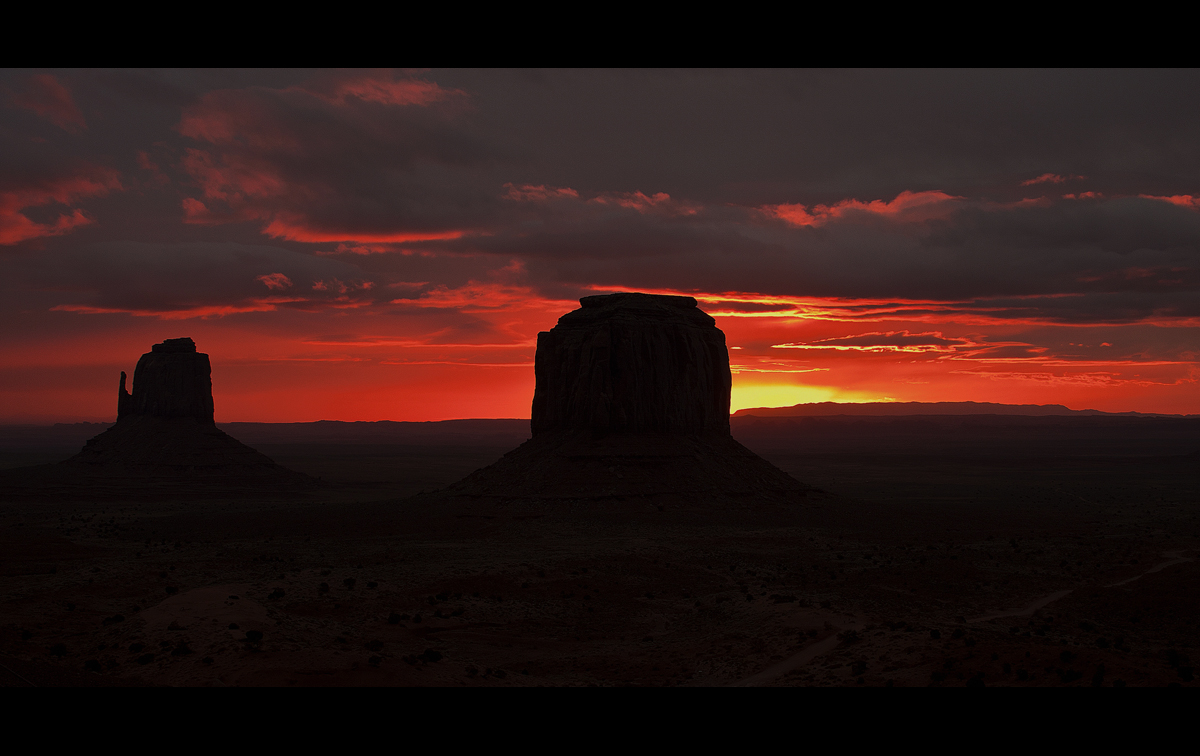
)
(747, 396)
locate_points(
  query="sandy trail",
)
(796, 661)
(828, 644)
(1022, 612)
(19, 677)
(1174, 557)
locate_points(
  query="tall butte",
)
(632, 401)
(165, 431)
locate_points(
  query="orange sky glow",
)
(271, 366)
(386, 245)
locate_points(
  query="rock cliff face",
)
(632, 404)
(632, 363)
(171, 380)
(165, 437)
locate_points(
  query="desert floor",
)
(908, 570)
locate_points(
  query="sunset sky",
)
(386, 245)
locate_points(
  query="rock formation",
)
(165, 434)
(172, 380)
(632, 363)
(631, 401)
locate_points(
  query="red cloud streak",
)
(50, 99)
(16, 227)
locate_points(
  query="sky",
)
(386, 245)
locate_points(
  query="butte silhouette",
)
(165, 432)
(632, 403)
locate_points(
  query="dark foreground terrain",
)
(944, 552)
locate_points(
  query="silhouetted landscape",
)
(631, 533)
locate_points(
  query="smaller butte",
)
(165, 436)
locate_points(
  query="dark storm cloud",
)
(819, 136)
(177, 280)
(861, 184)
(1068, 260)
(344, 157)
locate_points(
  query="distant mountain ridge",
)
(891, 409)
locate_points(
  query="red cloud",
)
(50, 99)
(889, 341)
(297, 228)
(308, 161)
(275, 281)
(342, 287)
(1051, 178)
(1183, 200)
(233, 179)
(659, 202)
(264, 304)
(478, 296)
(379, 86)
(634, 200)
(907, 206)
(539, 193)
(16, 227)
